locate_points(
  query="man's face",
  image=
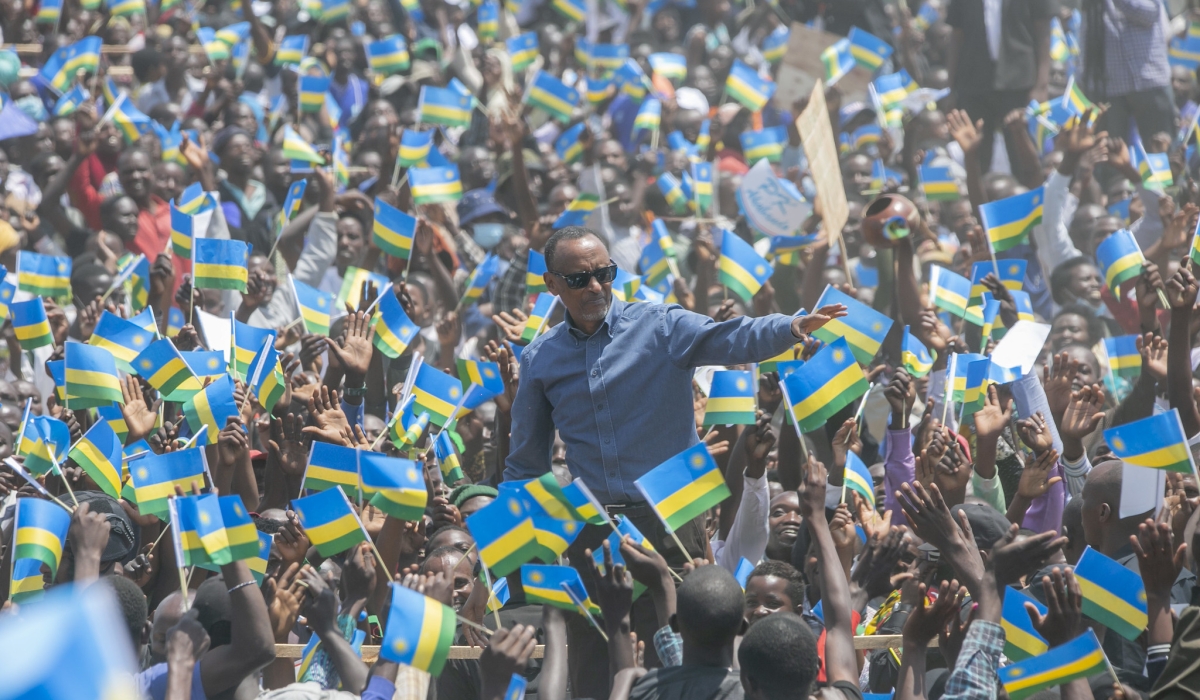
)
(168, 180)
(108, 139)
(473, 505)
(589, 303)
(177, 54)
(856, 174)
(26, 391)
(64, 135)
(125, 219)
(458, 568)
(453, 538)
(1105, 227)
(350, 241)
(239, 153)
(766, 595)
(135, 176)
(1085, 284)
(784, 521)
(8, 394)
(612, 155)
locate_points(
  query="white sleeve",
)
(748, 534)
(1053, 240)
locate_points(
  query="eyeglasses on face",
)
(579, 280)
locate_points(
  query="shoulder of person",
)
(838, 690)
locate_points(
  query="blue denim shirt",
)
(621, 399)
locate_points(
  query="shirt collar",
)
(610, 319)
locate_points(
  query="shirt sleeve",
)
(990, 490)
(1045, 513)
(1075, 474)
(379, 688)
(532, 426)
(974, 675)
(748, 535)
(320, 249)
(1053, 239)
(899, 466)
(694, 340)
(1142, 13)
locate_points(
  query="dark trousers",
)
(588, 661)
(992, 107)
(1152, 110)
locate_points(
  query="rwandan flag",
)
(552, 95)
(1010, 272)
(536, 324)
(649, 116)
(916, 357)
(1157, 442)
(124, 339)
(393, 230)
(504, 533)
(91, 374)
(684, 486)
(838, 60)
(389, 55)
(182, 233)
(27, 582)
(436, 393)
(857, 478)
(703, 175)
(239, 530)
(198, 531)
(352, 283)
(484, 374)
(745, 86)
(740, 267)
(330, 522)
(654, 262)
(444, 106)
(220, 264)
(535, 267)
(1124, 360)
(156, 476)
(194, 200)
(774, 45)
(44, 275)
(211, 408)
(291, 50)
(30, 324)
(432, 185)
(863, 328)
(767, 143)
(869, 51)
(672, 66)
(397, 484)
(314, 306)
(41, 531)
(331, 466)
(1080, 658)
(59, 71)
(247, 341)
(420, 631)
(938, 184)
(296, 148)
(312, 92)
(1120, 259)
(405, 429)
(265, 376)
(163, 367)
(578, 210)
(824, 385)
(1021, 640)
(1112, 595)
(447, 457)
(487, 19)
(961, 361)
(731, 398)
(414, 147)
(479, 279)
(553, 537)
(583, 504)
(949, 291)
(522, 50)
(1009, 221)
(568, 146)
(129, 119)
(393, 328)
(99, 454)
(549, 496)
(549, 585)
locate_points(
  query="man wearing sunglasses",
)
(615, 381)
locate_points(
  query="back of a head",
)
(709, 608)
(778, 658)
(134, 609)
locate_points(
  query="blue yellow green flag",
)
(552, 95)
(1112, 595)
(27, 582)
(1021, 640)
(684, 486)
(330, 466)
(731, 398)
(1120, 259)
(91, 373)
(949, 291)
(239, 530)
(30, 324)
(824, 385)
(504, 533)
(745, 86)
(479, 279)
(393, 230)
(397, 485)
(863, 328)
(548, 585)
(433, 185)
(740, 267)
(41, 531)
(447, 456)
(98, 452)
(419, 631)
(916, 357)
(1008, 221)
(247, 341)
(219, 263)
(857, 478)
(869, 51)
(393, 328)
(155, 477)
(1124, 360)
(1157, 442)
(436, 393)
(44, 275)
(211, 408)
(198, 530)
(329, 521)
(163, 367)
(124, 339)
(389, 55)
(1081, 657)
(315, 306)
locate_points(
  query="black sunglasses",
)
(579, 280)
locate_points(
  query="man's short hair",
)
(134, 608)
(781, 569)
(778, 656)
(710, 607)
(569, 233)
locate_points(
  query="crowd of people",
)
(765, 462)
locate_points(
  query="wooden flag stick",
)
(183, 587)
(475, 625)
(686, 554)
(583, 609)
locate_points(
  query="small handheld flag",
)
(745, 86)
(741, 268)
(1082, 657)
(731, 398)
(419, 632)
(504, 532)
(1009, 221)
(220, 264)
(393, 230)
(863, 328)
(1157, 442)
(1021, 640)
(824, 385)
(1112, 595)
(684, 486)
(1120, 259)
(329, 521)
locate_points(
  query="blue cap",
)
(477, 204)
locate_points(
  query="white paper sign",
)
(1142, 489)
(1021, 345)
(770, 207)
(217, 331)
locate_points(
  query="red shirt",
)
(84, 188)
(154, 235)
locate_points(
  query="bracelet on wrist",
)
(354, 392)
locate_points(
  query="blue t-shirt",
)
(152, 683)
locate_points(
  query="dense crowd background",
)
(1026, 139)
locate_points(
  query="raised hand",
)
(139, 418)
(1035, 433)
(289, 446)
(1063, 620)
(1182, 289)
(873, 572)
(900, 396)
(968, 134)
(354, 348)
(1153, 349)
(1158, 561)
(614, 589)
(991, 419)
(927, 620)
(284, 594)
(760, 438)
(812, 489)
(506, 654)
(513, 325)
(846, 440)
(1058, 377)
(1035, 478)
(326, 410)
(803, 325)
(1083, 414)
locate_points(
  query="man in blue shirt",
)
(615, 380)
